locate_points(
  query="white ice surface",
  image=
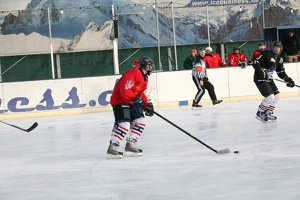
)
(64, 157)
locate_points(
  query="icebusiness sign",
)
(197, 3)
(56, 95)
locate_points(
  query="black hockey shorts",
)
(267, 88)
(126, 112)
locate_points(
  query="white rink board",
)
(94, 92)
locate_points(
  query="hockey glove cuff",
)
(138, 102)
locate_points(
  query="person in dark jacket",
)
(291, 46)
(189, 61)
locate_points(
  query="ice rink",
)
(64, 157)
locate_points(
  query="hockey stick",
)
(223, 151)
(282, 81)
(33, 126)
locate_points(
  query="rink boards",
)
(92, 94)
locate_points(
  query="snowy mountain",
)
(93, 38)
(69, 21)
(242, 21)
(88, 23)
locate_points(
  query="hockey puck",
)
(236, 152)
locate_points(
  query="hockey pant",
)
(201, 89)
(271, 93)
(124, 117)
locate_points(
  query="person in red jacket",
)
(129, 103)
(213, 60)
(237, 58)
(135, 63)
(261, 47)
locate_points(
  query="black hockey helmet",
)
(277, 44)
(236, 48)
(146, 63)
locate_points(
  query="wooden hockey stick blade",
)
(34, 125)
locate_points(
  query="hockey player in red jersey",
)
(261, 47)
(135, 63)
(237, 58)
(128, 101)
(265, 65)
(213, 60)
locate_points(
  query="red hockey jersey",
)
(235, 59)
(132, 84)
(255, 54)
(214, 61)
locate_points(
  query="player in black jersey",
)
(265, 65)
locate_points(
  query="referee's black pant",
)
(201, 89)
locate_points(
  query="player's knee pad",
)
(269, 99)
(137, 128)
(122, 128)
(139, 122)
(277, 96)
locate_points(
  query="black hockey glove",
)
(289, 82)
(261, 74)
(243, 65)
(149, 110)
(138, 102)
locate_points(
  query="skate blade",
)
(259, 119)
(196, 108)
(132, 154)
(111, 156)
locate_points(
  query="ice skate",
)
(113, 153)
(131, 150)
(271, 117)
(195, 105)
(262, 116)
(217, 102)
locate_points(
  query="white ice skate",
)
(113, 153)
(131, 150)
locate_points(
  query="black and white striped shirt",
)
(199, 68)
